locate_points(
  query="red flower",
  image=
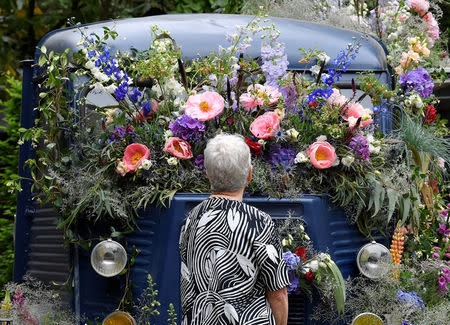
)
(433, 185)
(309, 276)
(255, 147)
(230, 120)
(313, 104)
(430, 114)
(301, 252)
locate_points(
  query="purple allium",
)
(410, 298)
(293, 287)
(187, 128)
(291, 260)
(418, 80)
(360, 147)
(279, 156)
(200, 161)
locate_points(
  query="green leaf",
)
(43, 49)
(378, 198)
(392, 197)
(338, 285)
(42, 60)
(406, 206)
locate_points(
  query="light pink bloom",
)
(257, 94)
(421, 6)
(204, 106)
(354, 111)
(122, 168)
(178, 147)
(321, 154)
(441, 163)
(432, 27)
(266, 125)
(134, 154)
(336, 99)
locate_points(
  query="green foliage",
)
(6, 252)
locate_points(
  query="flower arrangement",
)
(308, 268)
(149, 144)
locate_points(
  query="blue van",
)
(39, 249)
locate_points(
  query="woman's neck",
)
(231, 195)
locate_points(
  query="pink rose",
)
(336, 99)
(204, 106)
(266, 125)
(134, 154)
(321, 154)
(257, 94)
(354, 111)
(178, 147)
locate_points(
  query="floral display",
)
(305, 134)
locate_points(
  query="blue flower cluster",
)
(279, 156)
(291, 260)
(187, 128)
(410, 298)
(418, 80)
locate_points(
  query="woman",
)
(231, 256)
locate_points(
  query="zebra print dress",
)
(230, 255)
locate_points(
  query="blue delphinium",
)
(121, 91)
(275, 62)
(134, 95)
(418, 80)
(187, 128)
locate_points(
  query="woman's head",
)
(227, 162)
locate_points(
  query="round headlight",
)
(373, 260)
(108, 258)
(367, 319)
(119, 318)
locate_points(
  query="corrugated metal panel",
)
(49, 260)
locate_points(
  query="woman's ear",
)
(249, 177)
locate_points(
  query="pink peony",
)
(257, 94)
(122, 168)
(354, 111)
(204, 106)
(321, 154)
(421, 6)
(134, 154)
(266, 125)
(178, 147)
(336, 99)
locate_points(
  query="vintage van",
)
(38, 244)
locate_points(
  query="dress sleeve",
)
(272, 273)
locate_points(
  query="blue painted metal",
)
(198, 34)
(25, 207)
(157, 239)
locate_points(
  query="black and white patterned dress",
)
(230, 255)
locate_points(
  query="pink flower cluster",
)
(432, 27)
(444, 279)
(258, 95)
(421, 6)
(321, 154)
(266, 125)
(178, 148)
(133, 157)
(352, 111)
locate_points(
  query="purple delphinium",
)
(275, 62)
(200, 161)
(279, 156)
(288, 92)
(410, 298)
(187, 128)
(418, 80)
(360, 147)
(291, 260)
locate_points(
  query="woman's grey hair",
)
(227, 162)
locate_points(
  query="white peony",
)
(172, 161)
(301, 158)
